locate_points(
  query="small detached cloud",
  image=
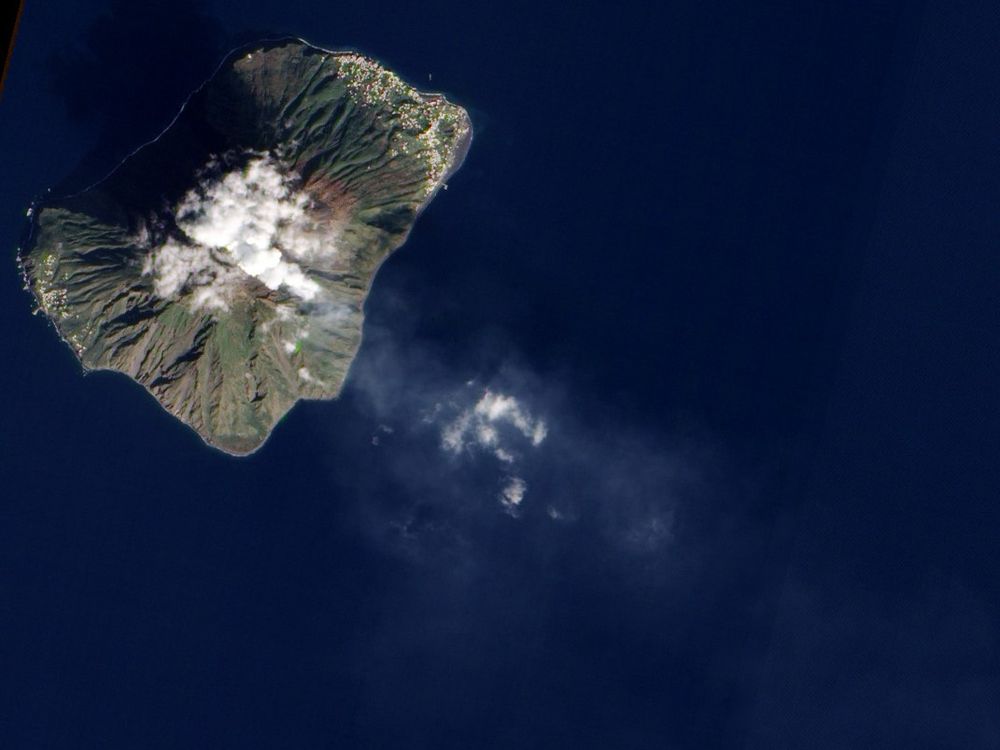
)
(513, 493)
(522, 445)
(496, 424)
(479, 425)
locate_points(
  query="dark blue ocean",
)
(740, 258)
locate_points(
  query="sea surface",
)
(740, 259)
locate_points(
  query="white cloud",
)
(504, 455)
(453, 434)
(512, 494)
(478, 425)
(490, 425)
(176, 265)
(249, 222)
(496, 407)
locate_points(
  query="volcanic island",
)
(224, 266)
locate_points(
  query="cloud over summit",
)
(249, 222)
